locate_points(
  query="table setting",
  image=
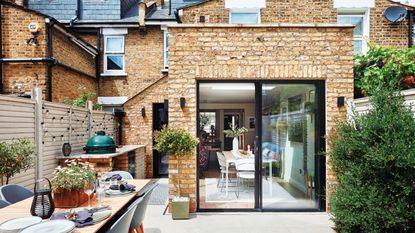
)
(49, 216)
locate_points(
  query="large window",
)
(244, 16)
(360, 31)
(114, 60)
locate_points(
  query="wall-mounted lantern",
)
(340, 101)
(182, 102)
(143, 111)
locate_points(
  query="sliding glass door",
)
(273, 163)
(288, 156)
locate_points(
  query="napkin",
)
(114, 177)
(123, 187)
(84, 218)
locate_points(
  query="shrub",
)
(373, 156)
(15, 157)
(75, 175)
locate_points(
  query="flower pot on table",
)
(180, 208)
(69, 198)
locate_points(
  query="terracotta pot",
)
(69, 198)
(409, 81)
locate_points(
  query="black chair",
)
(13, 193)
(122, 225)
(139, 214)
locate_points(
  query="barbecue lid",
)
(100, 141)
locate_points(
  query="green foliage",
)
(74, 176)
(175, 141)
(83, 99)
(383, 67)
(15, 157)
(373, 156)
(230, 133)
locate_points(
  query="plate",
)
(13, 225)
(117, 192)
(55, 226)
(101, 215)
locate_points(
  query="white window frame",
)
(118, 53)
(165, 50)
(359, 12)
(245, 10)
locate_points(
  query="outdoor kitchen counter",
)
(114, 161)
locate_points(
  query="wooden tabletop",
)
(22, 208)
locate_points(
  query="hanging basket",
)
(69, 198)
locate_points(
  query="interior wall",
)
(249, 111)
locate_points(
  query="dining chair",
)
(125, 175)
(139, 214)
(245, 171)
(122, 225)
(12, 193)
(3, 204)
(222, 167)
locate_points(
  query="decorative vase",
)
(69, 198)
(235, 144)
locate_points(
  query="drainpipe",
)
(77, 13)
(49, 27)
(98, 61)
(119, 115)
(1, 48)
(410, 28)
(170, 7)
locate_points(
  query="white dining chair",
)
(139, 213)
(245, 171)
(13, 193)
(222, 167)
(122, 225)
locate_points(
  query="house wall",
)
(15, 21)
(224, 52)
(301, 11)
(14, 36)
(138, 130)
(143, 63)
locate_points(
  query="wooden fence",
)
(49, 125)
(363, 105)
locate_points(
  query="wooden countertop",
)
(22, 208)
(119, 151)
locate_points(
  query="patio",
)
(156, 222)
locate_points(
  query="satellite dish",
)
(395, 14)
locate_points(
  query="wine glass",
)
(89, 189)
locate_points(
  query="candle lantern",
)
(42, 205)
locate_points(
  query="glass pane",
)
(226, 164)
(288, 151)
(358, 21)
(343, 19)
(244, 18)
(115, 62)
(115, 44)
(358, 46)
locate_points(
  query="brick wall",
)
(237, 53)
(143, 63)
(15, 34)
(65, 84)
(70, 54)
(139, 130)
(310, 11)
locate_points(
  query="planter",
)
(180, 208)
(69, 199)
(409, 81)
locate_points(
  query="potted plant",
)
(178, 143)
(69, 182)
(235, 133)
(15, 157)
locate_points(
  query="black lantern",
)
(66, 149)
(182, 102)
(42, 205)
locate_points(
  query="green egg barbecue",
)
(100, 144)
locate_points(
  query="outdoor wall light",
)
(166, 105)
(340, 101)
(143, 111)
(182, 102)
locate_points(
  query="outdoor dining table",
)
(231, 159)
(117, 203)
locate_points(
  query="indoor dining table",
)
(117, 203)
